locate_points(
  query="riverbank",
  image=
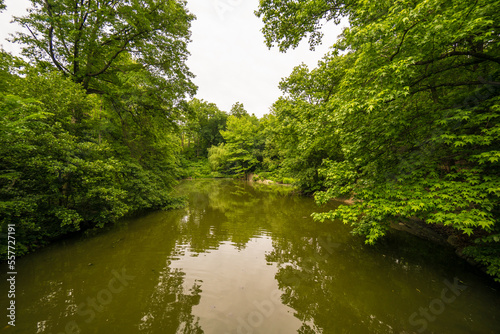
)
(438, 234)
(443, 235)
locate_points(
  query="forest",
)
(98, 119)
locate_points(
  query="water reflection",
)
(339, 286)
(243, 258)
(170, 306)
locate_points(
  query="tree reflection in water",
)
(170, 307)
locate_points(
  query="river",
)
(244, 258)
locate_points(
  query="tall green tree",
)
(242, 152)
(303, 133)
(238, 110)
(59, 175)
(53, 180)
(131, 53)
(201, 128)
(86, 40)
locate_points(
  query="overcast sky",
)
(228, 54)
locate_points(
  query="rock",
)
(453, 240)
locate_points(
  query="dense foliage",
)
(89, 127)
(201, 128)
(241, 151)
(86, 40)
(402, 115)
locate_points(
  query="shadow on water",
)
(243, 258)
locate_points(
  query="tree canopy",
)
(91, 41)
(201, 128)
(287, 22)
(241, 152)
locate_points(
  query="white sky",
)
(228, 54)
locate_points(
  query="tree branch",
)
(457, 84)
(76, 45)
(51, 45)
(447, 69)
(117, 53)
(110, 61)
(402, 40)
(459, 53)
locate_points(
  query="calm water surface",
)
(247, 259)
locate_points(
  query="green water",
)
(245, 259)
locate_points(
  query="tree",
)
(218, 157)
(58, 175)
(87, 40)
(416, 113)
(303, 134)
(74, 160)
(243, 149)
(287, 22)
(201, 128)
(271, 155)
(131, 53)
(8, 65)
(238, 110)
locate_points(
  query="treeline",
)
(216, 143)
(90, 117)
